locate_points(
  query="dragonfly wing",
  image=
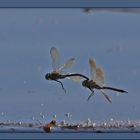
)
(106, 96)
(92, 65)
(67, 64)
(99, 77)
(55, 58)
(75, 78)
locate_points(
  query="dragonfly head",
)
(85, 83)
(47, 76)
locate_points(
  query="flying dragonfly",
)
(58, 72)
(97, 81)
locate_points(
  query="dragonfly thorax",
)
(54, 76)
(90, 84)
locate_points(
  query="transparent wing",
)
(75, 78)
(99, 77)
(55, 58)
(106, 96)
(67, 64)
(92, 65)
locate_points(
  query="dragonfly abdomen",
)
(115, 89)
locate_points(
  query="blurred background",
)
(111, 36)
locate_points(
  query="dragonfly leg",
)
(61, 85)
(90, 94)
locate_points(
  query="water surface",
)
(26, 36)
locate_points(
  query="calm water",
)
(26, 36)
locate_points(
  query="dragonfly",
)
(58, 71)
(97, 81)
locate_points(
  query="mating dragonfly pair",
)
(96, 80)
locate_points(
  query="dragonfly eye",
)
(84, 83)
(47, 76)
